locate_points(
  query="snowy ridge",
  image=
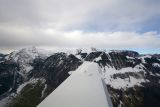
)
(25, 57)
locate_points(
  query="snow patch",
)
(128, 57)
(78, 56)
(156, 64)
(32, 81)
(42, 94)
(124, 83)
(143, 58)
(98, 58)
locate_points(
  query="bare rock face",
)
(2, 56)
(9, 78)
(56, 67)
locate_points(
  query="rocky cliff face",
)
(9, 77)
(55, 68)
(133, 80)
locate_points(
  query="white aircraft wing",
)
(84, 88)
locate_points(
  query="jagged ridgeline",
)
(29, 75)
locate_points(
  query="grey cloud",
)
(50, 37)
(72, 14)
(57, 23)
(124, 14)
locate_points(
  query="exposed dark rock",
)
(56, 67)
(2, 57)
(9, 78)
(92, 56)
(83, 55)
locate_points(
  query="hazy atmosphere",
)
(105, 24)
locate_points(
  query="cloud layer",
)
(110, 24)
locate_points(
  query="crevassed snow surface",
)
(84, 88)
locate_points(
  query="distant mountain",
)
(27, 76)
(25, 58)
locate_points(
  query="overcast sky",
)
(106, 24)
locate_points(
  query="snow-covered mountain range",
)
(133, 80)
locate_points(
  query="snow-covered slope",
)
(109, 75)
(25, 57)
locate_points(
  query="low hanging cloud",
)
(104, 39)
(21, 37)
